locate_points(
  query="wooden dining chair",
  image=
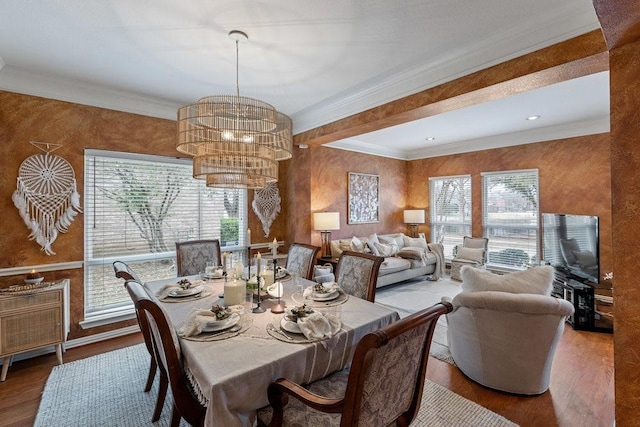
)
(153, 366)
(123, 271)
(169, 357)
(192, 256)
(301, 258)
(383, 386)
(357, 274)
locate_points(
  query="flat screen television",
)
(570, 243)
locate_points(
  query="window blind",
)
(450, 219)
(510, 217)
(136, 208)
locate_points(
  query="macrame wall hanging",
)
(46, 195)
(266, 205)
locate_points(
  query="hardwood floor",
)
(581, 391)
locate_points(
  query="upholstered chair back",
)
(357, 274)
(192, 256)
(383, 387)
(301, 258)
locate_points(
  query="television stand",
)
(581, 294)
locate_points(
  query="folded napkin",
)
(164, 291)
(198, 319)
(276, 290)
(329, 286)
(316, 326)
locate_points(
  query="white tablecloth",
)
(234, 374)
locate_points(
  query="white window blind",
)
(510, 217)
(450, 219)
(136, 208)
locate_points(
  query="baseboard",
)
(78, 342)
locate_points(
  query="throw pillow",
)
(397, 238)
(323, 274)
(357, 245)
(370, 244)
(537, 280)
(373, 249)
(471, 254)
(586, 259)
(345, 245)
(419, 242)
(409, 252)
(385, 249)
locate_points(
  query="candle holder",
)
(279, 307)
(258, 308)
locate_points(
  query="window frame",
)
(436, 225)
(532, 225)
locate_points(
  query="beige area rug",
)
(106, 390)
(409, 297)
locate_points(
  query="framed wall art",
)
(364, 198)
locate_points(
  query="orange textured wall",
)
(328, 170)
(574, 178)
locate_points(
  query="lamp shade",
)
(414, 216)
(323, 221)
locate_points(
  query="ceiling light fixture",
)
(429, 138)
(531, 118)
(236, 141)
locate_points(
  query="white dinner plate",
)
(181, 293)
(325, 297)
(219, 325)
(290, 326)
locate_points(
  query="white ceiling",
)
(316, 61)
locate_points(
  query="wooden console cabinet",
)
(30, 320)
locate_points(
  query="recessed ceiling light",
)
(429, 138)
(533, 117)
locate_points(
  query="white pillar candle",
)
(274, 249)
(234, 292)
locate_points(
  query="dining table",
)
(230, 370)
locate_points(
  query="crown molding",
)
(567, 130)
(18, 80)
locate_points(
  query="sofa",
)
(404, 257)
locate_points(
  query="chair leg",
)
(152, 373)
(175, 417)
(162, 393)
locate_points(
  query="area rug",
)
(106, 390)
(412, 296)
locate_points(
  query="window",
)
(510, 217)
(450, 217)
(136, 208)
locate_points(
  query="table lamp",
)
(324, 222)
(413, 217)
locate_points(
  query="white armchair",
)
(504, 330)
(473, 252)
